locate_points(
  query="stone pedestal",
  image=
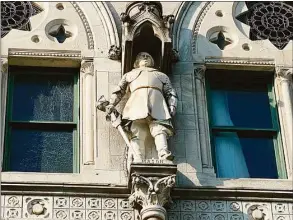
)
(151, 184)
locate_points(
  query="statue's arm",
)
(170, 93)
(119, 91)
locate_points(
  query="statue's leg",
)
(160, 135)
(139, 133)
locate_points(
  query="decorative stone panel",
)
(108, 208)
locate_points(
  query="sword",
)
(114, 117)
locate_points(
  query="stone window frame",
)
(57, 58)
(281, 76)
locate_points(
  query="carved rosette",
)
(149, 193)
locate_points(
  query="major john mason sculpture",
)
(149, 109)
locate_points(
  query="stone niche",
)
(145, 29)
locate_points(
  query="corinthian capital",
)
(150, 191)
(199, 72)
(284, 72)
(87, 67)
(4, 65)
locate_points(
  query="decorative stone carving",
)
(16, 15)
(61, 202)
(4, 65)
(114, 53)
(269, 20)
(199, 72)
(285, 73)
(12, 213)
(175, 56)
(258, 211)
(89, 33)
(150, 189)
(198, 22)
(136, 15)
(37, 207)
(77, 202)
(61, 214)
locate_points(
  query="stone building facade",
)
(202, 47)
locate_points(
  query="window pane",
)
(42, 98)
(249, 109)
(41, 151)
(242, 157)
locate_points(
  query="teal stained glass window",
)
(42, 120)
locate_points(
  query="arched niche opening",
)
(146, 41)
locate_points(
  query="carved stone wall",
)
(96, 208)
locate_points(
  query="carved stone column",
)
(202, 119)
(285, 105)
(87, 114)
(151, 185)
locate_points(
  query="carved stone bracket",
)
(114, 53)
(151, 185)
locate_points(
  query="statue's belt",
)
(148, 87)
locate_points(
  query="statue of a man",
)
(151, 105)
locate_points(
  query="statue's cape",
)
(133, 74)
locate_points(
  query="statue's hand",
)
(109, 109)
(172, 110)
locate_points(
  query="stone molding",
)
(113, 208)
(89, 33)
(238, 61)
(198, 22)
(44, 53)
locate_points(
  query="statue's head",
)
(143, 59)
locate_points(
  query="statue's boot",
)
(162, 147)
(137, 150)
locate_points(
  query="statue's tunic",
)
(146, 98)
(151, 94)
